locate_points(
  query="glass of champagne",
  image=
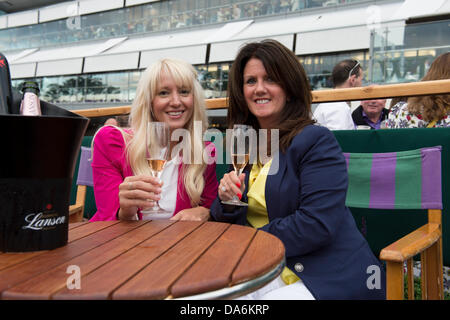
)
(157, 144)
(240, 154)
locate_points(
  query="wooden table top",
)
(146, 260)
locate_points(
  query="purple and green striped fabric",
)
(395, 180)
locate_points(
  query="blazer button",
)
(298, 267)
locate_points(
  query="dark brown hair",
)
(342, 69)
(283, 67)
(433, 107)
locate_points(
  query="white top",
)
(334, 116)
(169, 176)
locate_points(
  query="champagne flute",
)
(240, 154)
(157, 151)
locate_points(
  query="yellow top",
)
(257, 209)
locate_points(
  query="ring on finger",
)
(224, 189)
(130, 186)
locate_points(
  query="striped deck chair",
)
(403, 180)
(84, 179)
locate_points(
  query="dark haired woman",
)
(298, 195)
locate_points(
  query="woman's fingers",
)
(139, 191)
(230, 185)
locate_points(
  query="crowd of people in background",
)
(413, 112)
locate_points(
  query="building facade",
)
(87, 54)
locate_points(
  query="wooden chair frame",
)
(76, 211)
(427, 240)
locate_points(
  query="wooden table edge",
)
(239, 289)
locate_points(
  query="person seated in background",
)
(299, 194)
(168, 91)
(118, 121)
(111, 122)
(425, 111)
(370, 113)
(337, 115)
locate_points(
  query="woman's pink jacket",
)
(110, 167)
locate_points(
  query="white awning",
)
(415, 9)
(228, 31)
(227, 51)
(89, 6)
(162, 41)
(135, 2)
(23, 18)
(11, 57)
(58, 11)
(445, 8)
(191, 54)
(59, 67)
(340, 30)
(113, 62)
(59, 53)
(69, 52)
(23, 70)
(3, 22)
(343, 39)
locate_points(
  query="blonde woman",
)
(168, 91)
(425, 111)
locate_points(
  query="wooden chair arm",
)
(74, 208)
(412, 244)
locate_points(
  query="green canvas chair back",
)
(395, 180)
(403, 180)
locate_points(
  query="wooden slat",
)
(433, 272)
(10, 259)
(383, 91)
(412, 244)
(155, 280)
(98, 286)
(45, 284)
(213, 269)
(257, 259)
(351, 94)
(394, 280)
(410, 277)
(12, 276)
(89, 228)
(102, 112)
(217, 103)
(424, 280)
(435, 216)
(77, 224)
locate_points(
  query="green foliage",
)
(418, 289)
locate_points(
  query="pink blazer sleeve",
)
(109, 169)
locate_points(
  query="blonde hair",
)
(184, 76)
(433, 107)
(141, 113)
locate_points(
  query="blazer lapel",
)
(273, 183)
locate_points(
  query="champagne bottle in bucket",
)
(30, 105)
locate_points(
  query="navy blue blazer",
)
(306, 207)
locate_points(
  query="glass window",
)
(319, 67)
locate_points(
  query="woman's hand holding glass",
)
(157, 143)
(240, 154)
(138, 192)
(231, 186)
